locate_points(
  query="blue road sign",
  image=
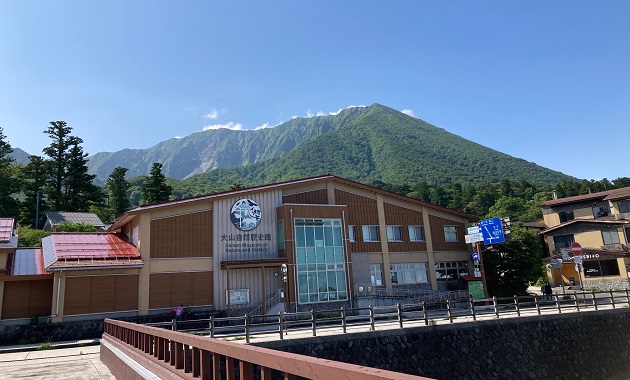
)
(492, 231)
(475, 256)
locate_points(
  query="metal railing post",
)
(577, 304)
(558, 304)
(472, 308)
(343, 318)
(313, 322)
(594, 299)
(280, 324)
(628, 297)
(211, 326)
(518, 309)
(174, 325)
(424, 311)
(494, 303)
(247, 321)
(537, 303)
(448, 310)
(400, 315)
(612, 298)
(372, 317)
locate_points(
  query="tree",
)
(30, 237)
(155, 189)
(34, 178)
(76, 227)
(80, 192)
(59, 132)
(8, 180)
(513, 265)
(118, 186)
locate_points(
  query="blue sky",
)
(545, 81)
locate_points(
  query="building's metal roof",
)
(606, 220)
(80, 251)
(28, 262)
(578, 198)
(6, 230)
(618, 194)
(127, 216)
(57, 217)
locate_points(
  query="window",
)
(610, 237)
(601, 268)
(627, 234)
(280, 232)
(370, 233)
(351, 233)
(451, 270)
(565, 216)
(409, 273)
(394, 233)
(624, 206)
(563, 241)
(601, 211)
(376, 274)
(320, 260)
(416, 233)
(450, 233)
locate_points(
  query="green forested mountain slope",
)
(381, 144)
(221, 148)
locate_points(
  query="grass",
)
(45, 346)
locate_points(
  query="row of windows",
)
(608, 237)
(370, 233)
(416, 273)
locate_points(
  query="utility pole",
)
(483, 271)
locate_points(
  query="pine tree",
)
(34, 178)
(59, 132)
(118, 186)
(9, 185)
(80, 192)
(155, 189)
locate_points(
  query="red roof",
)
(578, 198)
(6, 229)
(74, 251)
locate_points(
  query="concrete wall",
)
(591, 345)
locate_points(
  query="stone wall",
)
(591, 345)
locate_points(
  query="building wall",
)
(168, 290)
(26, 298)
(103, 293)
(182, 236)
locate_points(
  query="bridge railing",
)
(427, 313)
(188, 355)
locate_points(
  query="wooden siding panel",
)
(437, 234)
(319, 197)
(101, 294)
(361, 211)
(167, 290)
(182, 236)
(400, 216)
(27, 299)
(77, 296)
(126, 292)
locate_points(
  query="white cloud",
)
(179, 137)
(335, 113)
(294, 117)
(231, 125)
(212, 115)
(409, 112)
(320, 113)
(309, 113)
(266, 125)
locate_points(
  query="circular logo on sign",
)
(245, 214)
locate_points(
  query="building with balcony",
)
(600, 223)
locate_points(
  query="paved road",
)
(78, 363)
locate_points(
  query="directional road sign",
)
(492, 231)
(473, 230)
(473, 238)
(475, 256)
(577, 259)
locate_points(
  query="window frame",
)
(352, 233)
(610, 232)
(399, 273)
(368, 238)
(376, 270)
(626, 205)
(394, 228)
(446, 236)
(413, 235)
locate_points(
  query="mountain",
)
(20, 156)
(366, 144)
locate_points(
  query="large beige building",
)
(600, 223)
(310, 243)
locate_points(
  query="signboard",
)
(473, 230)
(565, 256)
(492, 231)
(238, 296)
(475, 288)
(473, 238)
(576, 248)
(554, 266)
(475, 256)
(577, 259)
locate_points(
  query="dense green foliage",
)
(9, 185)
(30, 237)
(513, 265)
(155, 188)
(118, 187)
(76, 227)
